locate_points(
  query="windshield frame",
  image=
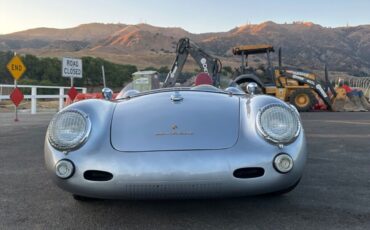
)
(188, 89)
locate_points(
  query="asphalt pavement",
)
(334, 192)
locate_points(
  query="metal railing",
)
(360, 83)
(34, 96)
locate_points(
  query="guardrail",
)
(34, 96)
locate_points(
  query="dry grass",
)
(49, 105)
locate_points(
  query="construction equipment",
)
(300, 88)
(206, 62)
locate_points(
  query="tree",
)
(48, 71)
(163, 69)
(227, 70)
(150, 68)
(5, 76)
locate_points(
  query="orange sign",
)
(16, 67)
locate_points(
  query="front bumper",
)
(176, 174)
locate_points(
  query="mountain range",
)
(305, 45)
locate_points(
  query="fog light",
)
(283, 163)
(64, 169)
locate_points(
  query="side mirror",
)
(107, 94)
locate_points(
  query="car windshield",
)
(146, 82)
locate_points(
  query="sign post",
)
(16, 68)
(72, 68)
(16, 104)
(103, 73)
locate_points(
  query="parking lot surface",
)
(334, 192)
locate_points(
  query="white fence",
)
(34, 96)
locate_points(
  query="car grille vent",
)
(244, 173)
(170, 191)
(96, 175)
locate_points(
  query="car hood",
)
(154, 122)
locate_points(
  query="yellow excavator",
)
(301, 88)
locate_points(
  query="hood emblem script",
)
(174, 132)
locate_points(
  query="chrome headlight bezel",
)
(266, 136)
(78, 143)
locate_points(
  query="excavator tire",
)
(302, 99)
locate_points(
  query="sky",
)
(196, 16)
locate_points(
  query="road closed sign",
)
(72, 67)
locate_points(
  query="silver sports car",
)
(176, 143)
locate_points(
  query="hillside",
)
(305, 45)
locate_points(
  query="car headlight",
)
(278, 123)
(69, 129)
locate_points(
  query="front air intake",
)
(244, 173)
(95, 175)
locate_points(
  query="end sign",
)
(72, 67)
(16, 67)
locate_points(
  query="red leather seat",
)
(203, 79)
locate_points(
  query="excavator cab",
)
(263, 75)
(262, 72)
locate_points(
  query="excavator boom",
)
(206, 62)
(316, 84)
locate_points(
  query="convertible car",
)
(180, 142)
